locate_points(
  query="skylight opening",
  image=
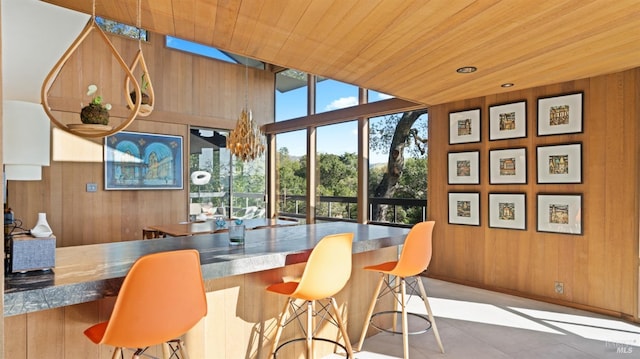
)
(121, 29)
(210, 52)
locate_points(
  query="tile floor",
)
(476, 323)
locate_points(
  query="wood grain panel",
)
(599, 268)
(387, 45)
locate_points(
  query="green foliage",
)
(118, 28)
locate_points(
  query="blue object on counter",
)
(220, 222)
(238, 221)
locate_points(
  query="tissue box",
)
(30, 253)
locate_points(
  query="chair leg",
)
(342, 327)
(309, 329)
(398, 294)
(405, 324)
(374, 300)
(166, 351)
(117, 353)
(182, 350)
(276, 338)
(423, 293)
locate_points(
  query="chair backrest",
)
(328, 268)
(161, 298)
(416, 251)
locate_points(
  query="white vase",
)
(42, 228)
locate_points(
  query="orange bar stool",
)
(327, 271)
(414, 259)
(161, 298)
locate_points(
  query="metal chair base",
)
(291, 341)
(386, 330)
(309, 311)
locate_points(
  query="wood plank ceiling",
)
(410, 49)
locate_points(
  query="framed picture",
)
(560, 163)
(464, 126)
(507, 210)
(464, 208)
(508, 121)
(464, 167)
(135, 161)
(560, 114)
(508, 166)
(560, 213)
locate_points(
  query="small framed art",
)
(464, 208)
(508, 121)
(560, 213)
(464, 126)
(464, 167)
(560, 114)
(560, 163)
(507, 210)
(508, 166)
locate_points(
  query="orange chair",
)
(327, 271)
(161, 298)
(414, 259)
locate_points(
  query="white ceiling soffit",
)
(34, 37)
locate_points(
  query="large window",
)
(374, 96)
(398, 184)
(291, 94)
(209, 173)
(291, 164)
(337, 171)
(221, 185)
(333, 95)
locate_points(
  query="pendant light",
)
(246, 141)
(90, 131)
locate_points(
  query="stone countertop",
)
(91, 272)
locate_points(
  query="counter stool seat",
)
(327, 271)
(161, 298)
(395, 276)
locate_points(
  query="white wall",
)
(34, 37)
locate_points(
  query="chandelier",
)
(247, 141)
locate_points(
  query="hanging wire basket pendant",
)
(91, 132)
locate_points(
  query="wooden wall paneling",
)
(48, 327)
(621, 208)
(15, 329)
(529, 262)
(77, 318)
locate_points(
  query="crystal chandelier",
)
(246, 141)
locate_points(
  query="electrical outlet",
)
(92, 187)
(559, 286)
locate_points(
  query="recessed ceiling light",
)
(508, 84)
(467, 69)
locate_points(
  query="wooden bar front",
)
(241, 315)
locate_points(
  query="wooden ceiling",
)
(410, 49)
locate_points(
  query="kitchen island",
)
(82, 287)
